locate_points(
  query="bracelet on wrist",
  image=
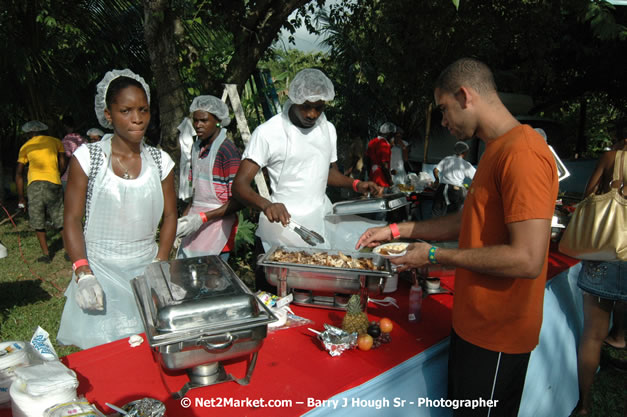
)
(203, 216)
(432, 258)
(395, 232)
(79, 263)
(355, 185)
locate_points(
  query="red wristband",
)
(355, 185)
(79, 263)
(203, 216)
(395, 233)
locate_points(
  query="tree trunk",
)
(254, 34)
(159, 25)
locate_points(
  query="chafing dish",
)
(325, 286)
(197, 313)
(387, 202)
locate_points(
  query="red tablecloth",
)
(291, 364)
(558, 262)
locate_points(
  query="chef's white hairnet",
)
(34, 126)
(212, 105)
(310, 85)
(461, 147)
(95, 131)
(103, 86)
(386, 128)
(541, 132)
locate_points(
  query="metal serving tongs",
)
(309, 236)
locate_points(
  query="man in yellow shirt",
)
(45, 158)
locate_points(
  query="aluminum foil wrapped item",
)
(336, 340)
(146, 407)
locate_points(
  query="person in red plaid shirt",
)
(209, 224)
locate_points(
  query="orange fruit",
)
(386, 325)
(364, 341)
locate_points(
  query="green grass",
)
(31, 295)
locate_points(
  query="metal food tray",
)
(328, 279)
(385, 203)
(196, 312)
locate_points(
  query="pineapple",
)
(355, 320)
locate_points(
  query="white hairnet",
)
(212, 105)
(103, 86)
(541, 132)
(95, 131)
(34, 126)
(310, 85)
(461, 147)
(386, 128)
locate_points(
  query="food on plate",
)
(406, 187)
(323, 259)
(374, 330)
(355, 320)
(391, 249)
(386, 325)
(365, 341)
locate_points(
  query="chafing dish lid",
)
(196, 293)
(386, 202)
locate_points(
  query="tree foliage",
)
(387, 54)
(56, 51)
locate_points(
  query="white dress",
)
(120, 241)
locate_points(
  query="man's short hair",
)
(466, 72)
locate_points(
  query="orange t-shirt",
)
(516, 180)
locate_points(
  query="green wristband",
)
(432, 258)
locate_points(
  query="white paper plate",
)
(395, 249)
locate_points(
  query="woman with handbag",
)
(604, 283)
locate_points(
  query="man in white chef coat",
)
(298, 149)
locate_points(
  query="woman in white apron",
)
(210, 221)
(123, 187)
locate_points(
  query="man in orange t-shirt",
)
(504, 232)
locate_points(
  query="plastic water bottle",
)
(415, 302)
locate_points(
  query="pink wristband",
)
(355, 185)
(395, 233)
(79, 263)
(203, 216)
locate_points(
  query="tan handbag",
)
(597, 230)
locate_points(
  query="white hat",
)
(34, 126)
(310, 85)
(101, 92)
(212, 105)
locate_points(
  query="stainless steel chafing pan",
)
(196, 313)
(325, 279)
(384, 203)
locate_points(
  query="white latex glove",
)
(188, 224)
(89, 294)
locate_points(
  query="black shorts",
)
(479, 374)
